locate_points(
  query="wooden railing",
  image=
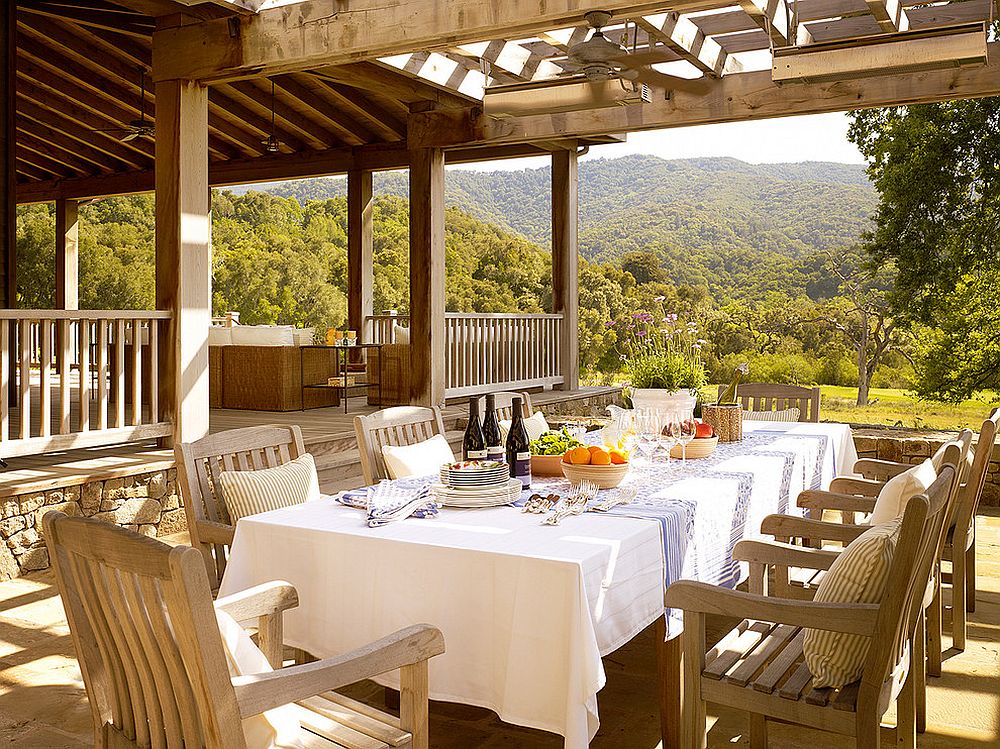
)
(491, 351)
(79, 378)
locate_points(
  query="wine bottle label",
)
(475, 455)
(495, 452)
(522, 468)
(522, 456)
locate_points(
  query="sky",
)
(818, 137)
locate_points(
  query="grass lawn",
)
(898, 408)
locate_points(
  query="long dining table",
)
(529, 610)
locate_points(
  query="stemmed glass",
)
(647, 427)
(669, 426)
(686, 431)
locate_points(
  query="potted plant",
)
(661, 357)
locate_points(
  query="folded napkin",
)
(388, 501)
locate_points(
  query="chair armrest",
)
(787, 555)
(877, 469)
(850, 618)
(789, 526)
(268, 599)
(260, 692)
(814, 499)
(210, 532)
(858, 487)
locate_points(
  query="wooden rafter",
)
(512, 58)
(387, 124)
(314, 133)
(889, 14)
(49, 156)
(388, 80)
(98, 149)
(343, 126)
(771, 16)
(684, 37)
(129, 24)
(234, 111)
(435, 70)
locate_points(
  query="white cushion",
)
(536, 426)
(419, 459)
(252, 492)
(898, 490)
(788, 414)
(263, 335)
(278, 728)
(859, 575)
(304, 336)
(400, 334)
(219, 336)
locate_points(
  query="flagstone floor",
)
(43, 704)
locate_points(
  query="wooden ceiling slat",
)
(727, 22)
(50, 157)
(390, 81)
(28, 173)
(346, 127)
(97, 148)
(292, 119)
(387, 124)
(99, 19)
(233, 111)
(745, 41)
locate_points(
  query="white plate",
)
(483, 497)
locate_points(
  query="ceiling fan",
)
(140, 128)
(598, 58)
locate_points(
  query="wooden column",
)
(565, 262)
(67, 254)
(183, 254)
(427, 345)
(360, 237)
(8, 160)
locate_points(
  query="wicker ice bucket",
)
(726, 420)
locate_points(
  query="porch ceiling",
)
(80, 65)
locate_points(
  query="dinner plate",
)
(494, 496)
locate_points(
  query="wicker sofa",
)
(263, 368)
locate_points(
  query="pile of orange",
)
(595, 456)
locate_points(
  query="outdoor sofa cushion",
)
(252, 492)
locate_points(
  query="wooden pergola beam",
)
(345, 128)
(771, 16)
(314, 33)
(751, 96)
(889, 14)
(385, 124)
(684, 37)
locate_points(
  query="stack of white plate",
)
(474, 474)
(487, 496)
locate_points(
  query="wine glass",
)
(686, 431)
(647, 427)
(667, 432)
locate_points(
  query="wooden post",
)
(183, 254)
(67, 267)
(8, 158)
(427, 347)
(565, 263)
(360, 237)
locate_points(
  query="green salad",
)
(554, 443)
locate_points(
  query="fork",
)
(576, 505)
(623, 496)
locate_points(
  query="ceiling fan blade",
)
(645, 57)
(672, 82)
(131, 136)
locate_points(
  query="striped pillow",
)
(252, 492)
(789, 414)
(859, 575)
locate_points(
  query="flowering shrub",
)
(658, 350)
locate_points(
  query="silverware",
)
(623, 496)
(574, 505)
(539, 505)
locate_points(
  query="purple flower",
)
(610, 324)
(640, 333)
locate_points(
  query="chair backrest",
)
(504, 402)
(760, 396)
(972, 489)
(199, 465)
(921, 540)
(144, 628)
(400, 425)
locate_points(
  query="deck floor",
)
(43, 704)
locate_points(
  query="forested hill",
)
(674, 208)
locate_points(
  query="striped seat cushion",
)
(252, 492)
(788, 414)
(859, 575)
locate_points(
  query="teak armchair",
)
(758, 396)
(759, 665)
(400, 425)
(155, 670)
(198, 467)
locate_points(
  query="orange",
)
(566, 456)
(600, 457)
(579, 456)
(619, 457)
(594, 448)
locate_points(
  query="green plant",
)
(660, 351)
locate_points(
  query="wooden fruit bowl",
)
(546, 465)
(605, 477)
(697, 448)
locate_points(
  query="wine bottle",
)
(518, 448)
(731, 393)
(491, 431)
(473, 444)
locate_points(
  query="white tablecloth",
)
(527, 611)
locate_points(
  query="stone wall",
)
(147, 503)
(903, 446)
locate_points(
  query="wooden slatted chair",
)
(802, 583)
(758, 396)
(503, 401)
(155, 670)
(400, 425)
(198, 467)
(759, 666)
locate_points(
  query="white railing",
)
(491, 351)
(79, 378)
